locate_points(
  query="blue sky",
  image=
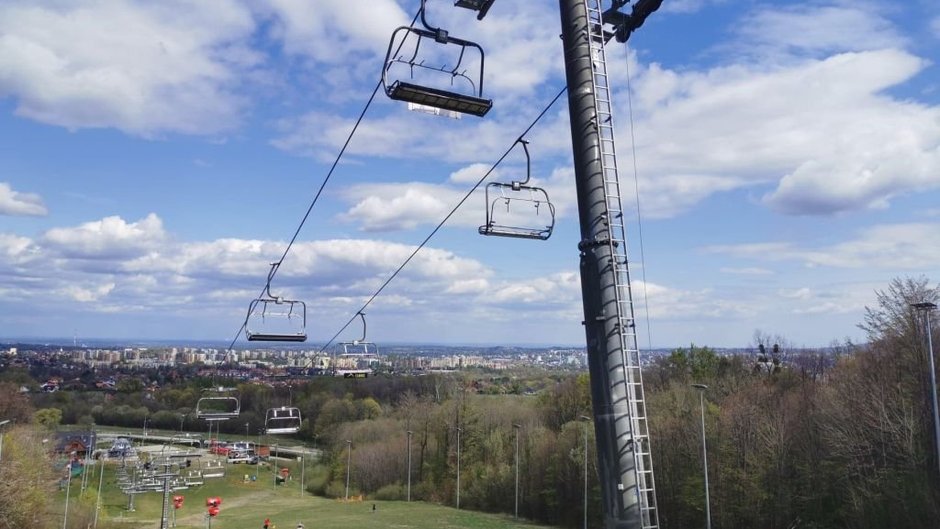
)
(156, 157)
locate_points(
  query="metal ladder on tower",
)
(646, 490)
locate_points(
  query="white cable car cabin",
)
(410, 75)
(283, 420)
(275, 319)
(218, 407)
(518, 210)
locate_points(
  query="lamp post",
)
(98, 498)
(348, 463)
(708, 512)
(409, 464)
(926, 308)
(88, 450)
(181, 422)
(2, 423)
(68, 489)
(258, 453)
(586, 419)
(516, 427)
(458, 466)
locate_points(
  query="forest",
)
(838, 437)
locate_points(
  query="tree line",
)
(835, 438)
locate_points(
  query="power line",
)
(316, 197)
(443, 221)
(639, 216)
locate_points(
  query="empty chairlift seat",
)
(427, 66)
(517, 209)
(275, 319)
(283, 420)
(218, 405)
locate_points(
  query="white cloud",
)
(403, 206)
(686, 6)
(797, 293)
(330, 32)
(819, 29)
(15, 249)
(910, 246)
(748, 271)
(87, 294)
(472, 173)
(822, 129)
(108, 238)
(16, 203)
(393, 207)
(144, 68)
(935, 26)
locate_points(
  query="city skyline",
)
(157, 158)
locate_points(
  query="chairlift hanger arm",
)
(624, 24)
(271, 274)
(362, 316)
(528, 164)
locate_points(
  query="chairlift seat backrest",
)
(524, 216)
(218, 408)
(469, 100)
(276, 320)
(283, 420)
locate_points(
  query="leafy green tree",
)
(25, 480)
(48, 417)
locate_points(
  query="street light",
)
(708, 512)
(586, 419)
(348, 462)
(517, 427)
(2, 423)
(68, 489)
(258, 453)
(458, 466)
(927, 307)
(98, 498)
(409, 464)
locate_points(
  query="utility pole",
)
(409, 464)
(623, 453)
(348, 463)
(708, 509)
(587, 419)
(458, 467)
(926, 308)
(517, 427)
(98, 498)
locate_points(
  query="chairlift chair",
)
(275, 319)
(455, 90)
(518, 210)
(218, 407)
(356, 349)
(283, 420)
